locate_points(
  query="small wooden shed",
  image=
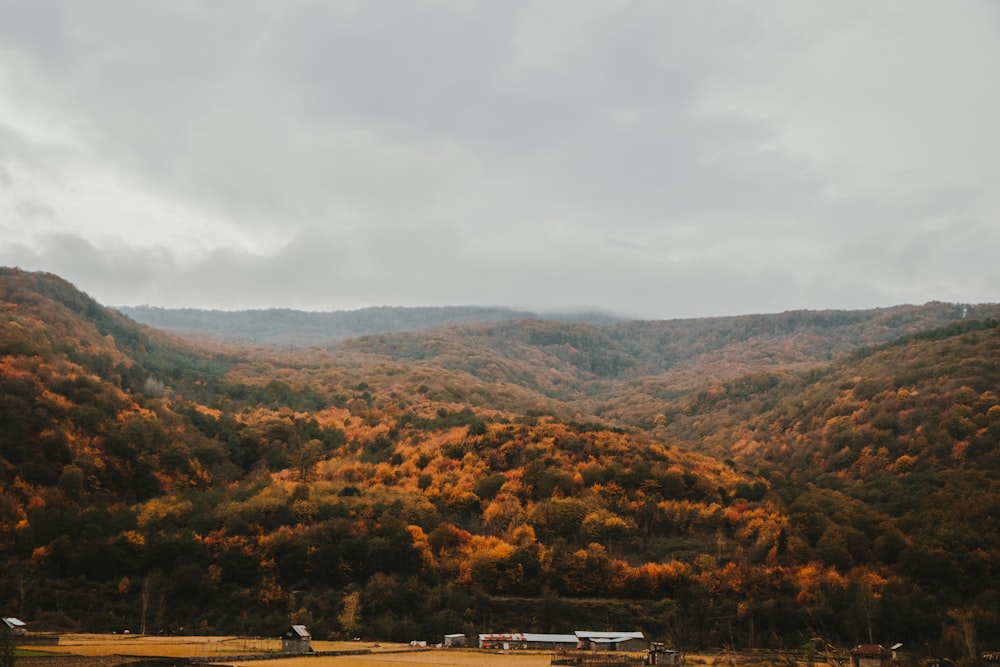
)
(872, 655)
(296, 640)
(661, 655)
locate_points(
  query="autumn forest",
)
(755, 481)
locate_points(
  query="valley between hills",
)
(751, 482)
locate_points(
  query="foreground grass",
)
(188, 646)
(417, 658)
(168, 647)
(382, 654)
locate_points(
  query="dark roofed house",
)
(296, 639)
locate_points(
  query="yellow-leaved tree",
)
(349, 617)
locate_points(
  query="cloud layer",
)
(653, 159)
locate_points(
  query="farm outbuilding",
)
(454, 641)
(528, 640)
(549, 642)
(503, 640)
(296, 639)
(588, 640)
(15, 626)
(872, 655)
(663, 656)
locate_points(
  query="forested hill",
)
(627, 372)
(645, 346)
(296, 328)
(378, 489)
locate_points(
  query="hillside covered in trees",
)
(748, 482)
(296, 328)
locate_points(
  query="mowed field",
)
(382, 654)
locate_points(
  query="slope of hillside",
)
(416, 484)
(624, 372)
(236, 501)
(295, 328)
(913, 430)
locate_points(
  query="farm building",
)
(16, 626)
(660, 655)
(549, 642)
(588, 640)
(454, 641)
(527, 641)
(872, 655)
(584, 640)
(503, 640)
(296, 639)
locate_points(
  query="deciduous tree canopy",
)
(748, 482)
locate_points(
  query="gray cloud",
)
(661, 160)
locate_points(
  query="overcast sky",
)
(654, 159)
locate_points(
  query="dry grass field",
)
(105, 647)
(141, 645)
(83, 650)
(418, 658)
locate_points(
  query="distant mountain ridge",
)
(298, 328)
(623, 372)
(655, 344)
